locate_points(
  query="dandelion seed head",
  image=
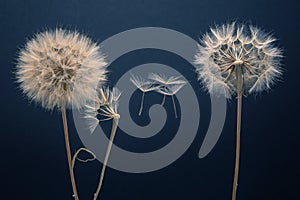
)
(227, 47)
(106, 104)
(57, 68)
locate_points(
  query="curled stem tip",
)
(82, 160)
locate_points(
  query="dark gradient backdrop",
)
(33, 162)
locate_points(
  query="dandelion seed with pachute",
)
(144, 86)
(168, 86)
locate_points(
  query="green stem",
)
(111, 139)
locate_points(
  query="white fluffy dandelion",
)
(235, 61)
(57, 69)
(144, 86)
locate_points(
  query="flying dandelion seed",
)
(165, 80)
(106, 104)
(168, 86)
(58, 68)
(144, 86)
(170, 90)
(235, 61)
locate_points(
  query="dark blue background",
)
(33, 162)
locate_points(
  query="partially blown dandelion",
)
(233, 52)
(106, 104)
(106, 101)
(58, 69)
(235, 61)
(168, 86)
(144, 86)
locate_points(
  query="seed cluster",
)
(229, 47)
(55, 65)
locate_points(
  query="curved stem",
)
(69, 156)
(239, 86)
(142, 104)
(82, 160)
(111, 139)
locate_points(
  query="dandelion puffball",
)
(228, 48)
(58, 67)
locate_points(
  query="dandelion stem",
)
(174, 105)
(239, 85)
(237, 151)
(69, 156)
(163, 101)
(142, 104)
(111, 139)
(82, 160)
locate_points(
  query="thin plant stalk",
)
(239, 85)
(111, 139)
(82, 160)
(174, 105)
(163, 101)
(237, 59)
(69, 156)
(142, 104)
